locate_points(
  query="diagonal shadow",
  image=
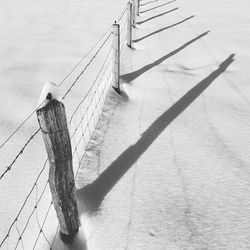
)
(153, 17)
(160, 30)
(156, 7)
(148, 2)
(94, 193)
(133, 75)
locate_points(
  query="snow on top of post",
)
(49, 92)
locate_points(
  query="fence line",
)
(62, 81)
(122, 15)
(19, 127)
(71, 71)
(35, 184)
(85, 117)
(76, 145)
(19, 154)
(91, 88)
(23, 205)
(86, 67)
(82, 122)
(85, 56)
(8, 168)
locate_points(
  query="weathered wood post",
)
(137, 7)
(53, 124)
(129, 23)
(116, 57)
(134, 13)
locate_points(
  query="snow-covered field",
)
(40, 41)
(174, 159)
(169, 163)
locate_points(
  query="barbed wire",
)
(18, 128)
(23, 205)
(63, 80)
(82, 59)
(44, 221)
(91, 87)
(85, 151)
(79, 165)
(33, 211)
(92, 114)
(19, 154)
(39, 199)
(122, 14)
(85, 68)
(76, 144)
(97, 94)
(8, 168)
(73, 69)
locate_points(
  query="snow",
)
(40, 41)
(168, 166)
(49, 92)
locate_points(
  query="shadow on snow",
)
(160, 30)
(153, 17)
(91, 196)
(156, 7)
(148, 2)
(127, 78)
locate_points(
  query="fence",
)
(30, 226)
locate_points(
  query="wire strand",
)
(19, 127)
(19, 154)
(96, 103)
(31, 114)
(85, 68)
(122, 14)
(82, 59)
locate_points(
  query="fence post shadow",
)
(129, 77)
(78, 243)
(91, 196)
(162, 29)
(159, 15)
(156, 7)
(149, 2)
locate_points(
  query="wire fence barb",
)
(82, 123)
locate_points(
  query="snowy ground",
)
(40, 41)
(168, 166)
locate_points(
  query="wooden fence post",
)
(129, 24)
(137, 7)
(134, 13)
(53, 124)
(116, 57)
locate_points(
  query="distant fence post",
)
(129, 23)
(116, 57)
(137, 7)
(53, 124)
(134, 13)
